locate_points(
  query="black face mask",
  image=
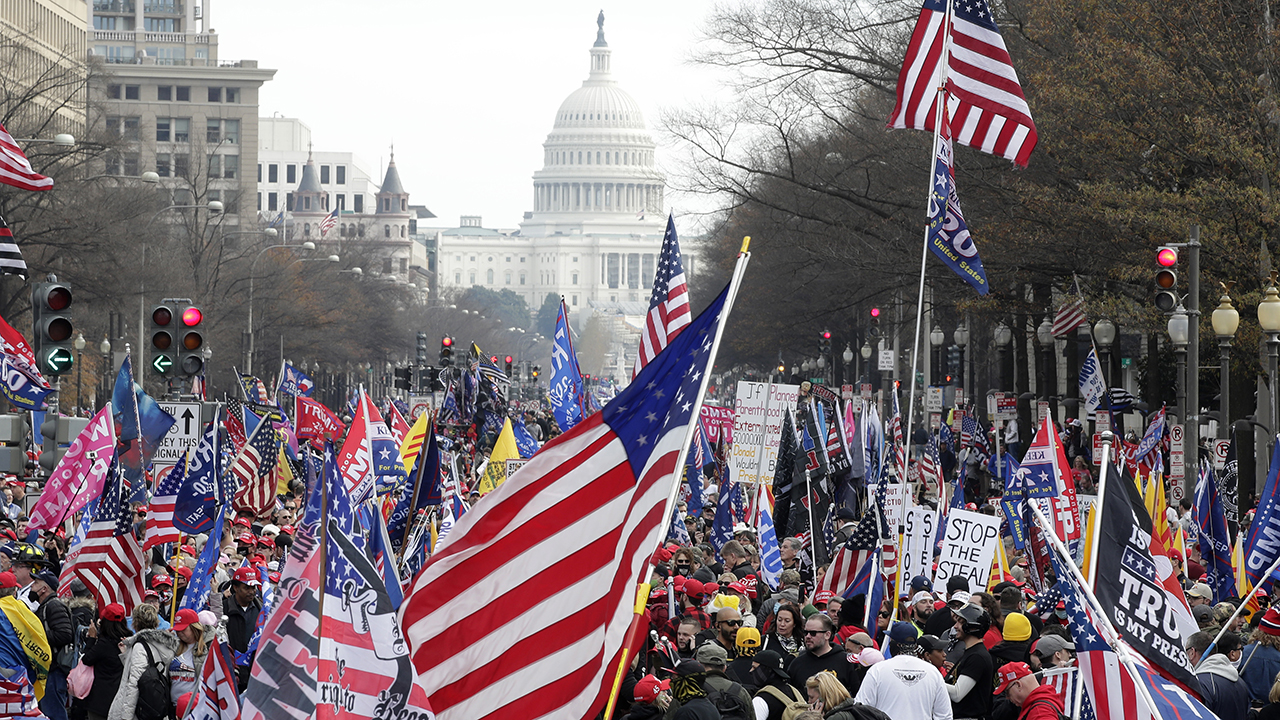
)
(760, 676)
(683, 569)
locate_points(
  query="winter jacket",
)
(57, 625)
(850, 710)
(644, 711)
(1043, 703)
(698, 708)
(1223, 691)
(104, 657)
(1007, 651)
(241, 623)
(1260, 673)
(163, 645)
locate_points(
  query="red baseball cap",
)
(242, 521)
(113, 612)
(247, 539)
(161, 580)
(185, 618)
(151, 594)
(185, 572)
(189, 550)
(823, 596)
(648, 688)
(711, 588)
(248, 576)
(266, 542)
(8, 533)
(693, 588)
(287, 529)
(1011, 673)
(8, 580)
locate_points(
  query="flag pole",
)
(1110, 634)
(1239, 609)
(1107, 439)
(417, 481)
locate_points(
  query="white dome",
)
(599, 104)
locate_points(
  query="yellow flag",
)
(1088, 540)
(503, 450)
(413, 441)
(1243, 587)
(435, 536)
(284, 473)
(29, 632)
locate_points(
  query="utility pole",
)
(1191, 459)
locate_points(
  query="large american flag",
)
(931, 464)
(561, 544)
(1069, 317)
(252, 471)
(11, 262)
(15, 168)
(985, 101)
(328, 222)
(853, 556)
(110, 561)
(669, 304)
(160, 528)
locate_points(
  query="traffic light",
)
(508, 366)
(537, 369)
(875, 322)
(164, 353)
(953, 362)
(190, 338)
(51, 325)
(824, 343)
(1166, 278)
(422, 349)
(404, 378)
(13, 435)
(446, 351)
(57, 432)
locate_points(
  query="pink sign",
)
(80, 473)
(719, 423)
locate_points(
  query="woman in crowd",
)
(193, 639)
(825, 692)
(148, 636)
(787, 635)
(102, 653)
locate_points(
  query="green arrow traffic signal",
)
(161, 364)
(59, 360)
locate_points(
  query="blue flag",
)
(566, 378)
(524, 441)
(193, 511)
(1263, 545)
(1012, 501)
(124, 403)
(770, 553)
(197, 593)
(1092, 386)
(949, 237)
(722, 526)
(294, 382)
(1215, 540)
(678, 533)
(21, 389)
(379, 553)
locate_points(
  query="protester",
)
(184, 670)
(747, 644)
(969, 678)
(1260, 661)
(775, 694)
(819, 654)
(1015, 645)
(787, 636)
(242, 614)
(723, 692)
(1052, 651)
(58, 632)
(1220, 686)
(1037, 702)
(149, 646)
(825, 692)
(687, 694)
(102, 653)
(652, 697)
(933, 651)
(905, 687)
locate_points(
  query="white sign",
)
(184, 435)
(1042, 410)
(917, 541)
(885, 360)
(757, 427)
(864, 390)
(1220, 448)
(959, 401)
(1102, 421)
(846, 392)
(968, 547)
(418, 404)
(933, 399)
(895, 500)
(1177, 454)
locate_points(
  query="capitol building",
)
(595, 230)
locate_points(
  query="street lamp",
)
(1225, 320)
(1104, 331)
(64, 140)
(79, 343)
(936, 338)
(149, 177)
(1269, 319)
(253, 269)
(105, 348)
(847, 356)
(1044, 334)
(1003, 337)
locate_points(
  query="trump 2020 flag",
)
(770, 553)
(949, 236)
(566, 378)
(1215, 540)
(1263, 546)
(216, 697)
(1092, 386)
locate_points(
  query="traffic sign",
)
(185, 433)
(846, 392)
(1220, 448)
(1177, 454)
(864, 390)
(1006, 407)
(419, 404)
(885, 360)
(933, 399)
(59, 360)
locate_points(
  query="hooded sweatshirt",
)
(1221, 688)
(1043, 703)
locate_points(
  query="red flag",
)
(356, 458)
(235, 424)
(316, 422)
(216, 698)
(397, 424)
(15, 168)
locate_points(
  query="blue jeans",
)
(54, 702)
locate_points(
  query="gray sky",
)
(467, 91)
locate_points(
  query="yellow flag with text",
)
(503, 450)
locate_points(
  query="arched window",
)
(521, 278)
(402, 231)
(506, 277)
(575, 278)
(472, 275)
(457, 278)
(488, 276)
(386, 231)
(306, 229)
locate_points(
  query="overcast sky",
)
(466, 91)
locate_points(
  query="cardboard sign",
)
(757, 429)
(968, 547)
(919, 530)
(895, 500)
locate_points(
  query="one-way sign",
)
(184, 434)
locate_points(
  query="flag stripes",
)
(669, 305)
(15, 168)
(11, 262)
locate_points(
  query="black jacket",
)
(698, 708)
(240, 623)
(57, 624)
(104, 657)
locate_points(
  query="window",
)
(401, 231)
(324, 174)
(404, 204)
(342, 230)
(181, 165)
(271, 200)
(159, 25)
(359, 203)
(306, 227)
(132, 92)
(386, 231)
(506, 277)
(232, 95)
(163, 129)
(164, 92)
(217, 131)
(508, 258)
(259, 175)
(472, 258)
(341, 201)
(259, 201)
(130, 165)
(230, 167)
(183, 93)
(386, 266)
(521, 258)
(613, 269)
(215, 94)
(575, 278)
(574, 298)
(163, 162)
(291, 173)
(213, 135)
(288, 201)
(386, 204)
(306, 202)
(181, 130)
(360, 230)
(575, 258)
(633, 270)
(472, 277)
(105, 23)
(404, 265)
(646, 269)
(273, 173)
(457, 278)
(115, 92)
(341, 172)
(489, 277)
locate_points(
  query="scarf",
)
(687, 687)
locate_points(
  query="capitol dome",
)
(598, 159)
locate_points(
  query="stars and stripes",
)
(985, 100)
(328, 222)
(1069, 317)
(669, 304)
(560, 544)
(160, 527)
(930, 464)
(15, 168)
(252, 471)
(853, 555)
(11, 262)
(109, 561)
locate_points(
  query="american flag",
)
(930, 464)
(328, 222)
(235, 424)
(560, 544)
(1069, 317)
(669, 304)
(11, 262)
(985, 100)
(857, 551)
(829, 530)
(110, 561)
(252, 471)
(160, 528)
(15, 168)
(254, 390)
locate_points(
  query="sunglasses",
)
(731, 623)
(885, 614)
(815, 632)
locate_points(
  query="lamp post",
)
(253, 269)
(936, 338)
(822, 367)
(1178, 328)
(79, 343)
(105, 348)
(1225, 320)
(847, 356)
(1104, 331)
(1044, 334)
(1269, 320)
(1003, 336)
(961, 338)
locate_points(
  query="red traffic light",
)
(875, 312)
(162, 316)
(826, 334)
(446, 341)
(192, 316)
(59, 298)
(508, 359)
(1167, 257)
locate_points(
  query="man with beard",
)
(727, 623)
(819, 654)
(921, 609)
(686, 637)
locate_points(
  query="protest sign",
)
(757, 428)
(968, 547)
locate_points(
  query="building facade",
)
(285, 146)
(45, 39)
(595, 230)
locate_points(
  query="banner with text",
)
(757, 429)
(968, 547)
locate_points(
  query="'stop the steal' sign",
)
(757, 428)
(968, 547)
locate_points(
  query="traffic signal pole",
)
(1191, 458)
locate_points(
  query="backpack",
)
(1046, 701)
(792, 707)
(154, 701)
(729, 704)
